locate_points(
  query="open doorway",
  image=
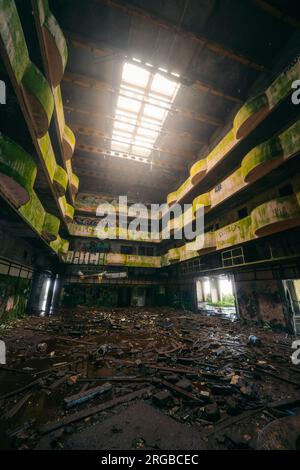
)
(216, 296)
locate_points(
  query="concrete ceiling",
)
(220, 48)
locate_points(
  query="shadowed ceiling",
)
(218, 48)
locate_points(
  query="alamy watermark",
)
(295, 357)
(2, 92)
(296, 93)
(155, 223)
(2, 353)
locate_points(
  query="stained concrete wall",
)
(113, 295)
(263, 301)
(13, 297)
(89, 295)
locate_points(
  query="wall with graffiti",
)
(13, 297)
(88, 202)
(89, 295)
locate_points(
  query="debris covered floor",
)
(145, 379)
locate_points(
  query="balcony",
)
(276, 215)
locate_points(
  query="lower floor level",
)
(267, 296)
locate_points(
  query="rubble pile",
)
(68, 371)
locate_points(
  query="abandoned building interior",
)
(137, 335)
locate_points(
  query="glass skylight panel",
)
(147, 133)
(163, 85)
(135, 75)
(141, 143)
(128, 104)
(123, 126)
(121, 137)
(126, 117)
(154, 112)
(143, 104)
(150, 124)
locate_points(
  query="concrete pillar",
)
(200, 291)
(195, 297)
(215, 290)
(54, 300)
(38, 299)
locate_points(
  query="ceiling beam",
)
(93, 149)
(153, 182)
(162, 23)
(277, 13)
(186, 136)
(92, 83)
(153, 194)
(93, 165)
(98, 133)
(107, 52)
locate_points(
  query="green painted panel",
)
(48, 21)
(50, 227)
(57, 34)
(220, 150)
(13, 38)
(36, 84)
(43, 10)
(74, 183)
(174, 254)
(202, 199)
(290, 140)
(34, 212)
(181, 191)
(261, 154)
(17, 169)
(68, 142)
(255, 105)
(59, 110)
(278, 210)
(60, 180)
(235, 233)
(282, 86)
(64, 246)
(199, 168)
(69, 212)
(48, 154)
(67, 209)
(55, 244)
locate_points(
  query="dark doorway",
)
(124, 296)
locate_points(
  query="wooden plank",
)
(87, 395)
(180, 391)
(21, 390)
(14, 410)
(283, 404)
(75, 417)
(276, 376)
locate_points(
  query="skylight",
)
(143, 104)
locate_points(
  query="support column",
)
(38, 299)
(200, 291)
(215, 290)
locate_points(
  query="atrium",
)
(149, 225)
